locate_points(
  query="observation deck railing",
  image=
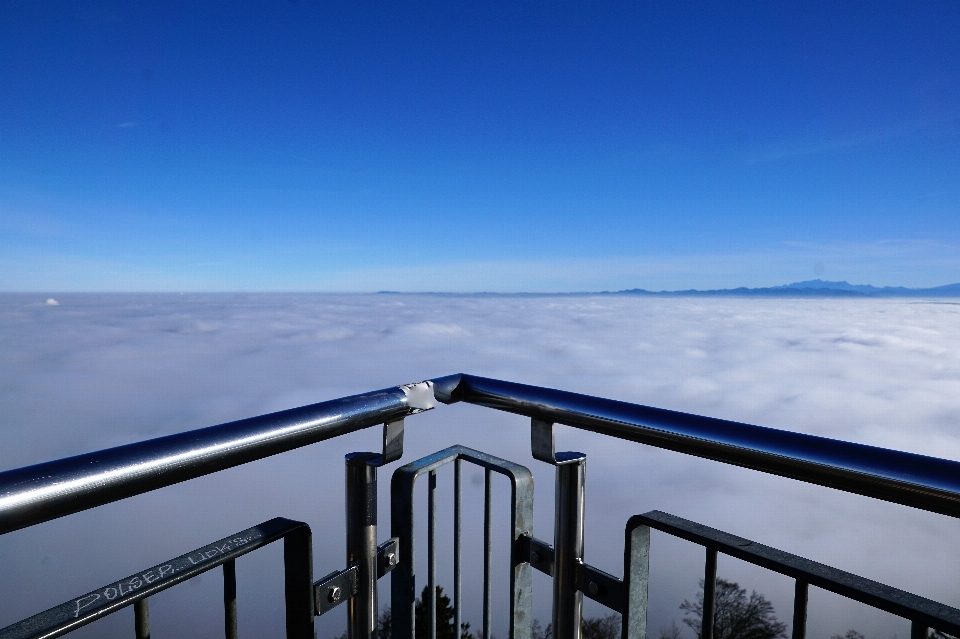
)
(35, 494)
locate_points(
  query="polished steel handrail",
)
(34, 494)
(927, 483)
(45, 491)
(39, 493)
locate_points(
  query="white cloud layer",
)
(103, 370)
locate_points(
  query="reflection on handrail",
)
(39, 493)
(928, 483)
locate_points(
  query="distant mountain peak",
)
(816, 288)
(820, 284)
(837, 286)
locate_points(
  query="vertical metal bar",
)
(521, 574)
(362, 544)
(432, 556)
(800, 609)
(403, 595)
(568, 545)
(487, 548)
(709, 594)
(298, 583)
(141, 619)
(918, 630)
(636, 571)
(457, 529)
(230, 599)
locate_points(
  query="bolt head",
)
(334, 594)
(534, 557)
(391, 559)
(593, 588)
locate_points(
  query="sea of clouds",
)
(102, 370)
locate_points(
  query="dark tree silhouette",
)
(445, 629)
(383, 624)
(931, 634)
(671, 632)
(736, 615)
(421, 624)
(601, 627)
(591, 628)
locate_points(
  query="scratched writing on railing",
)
(132, 584)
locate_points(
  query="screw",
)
(333, 595)
(534, 557)
(391, 559)
(593, 588)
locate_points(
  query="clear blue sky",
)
(477, 145)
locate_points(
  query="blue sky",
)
(477, 146)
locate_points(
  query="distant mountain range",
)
(813, 288)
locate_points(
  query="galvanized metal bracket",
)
(340, 585)
(542, 442)
(543, 446)
(388, 556)
(594, 583)
(541, 555)
(602, 587)
(334, 589)
(392, 444)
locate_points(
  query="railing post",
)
(567, 528)
(568, 545)
(361, 483)
(636, 571)
(141, 619)
(800, 609)
(298, 582)
(709, 594)
(230, 599)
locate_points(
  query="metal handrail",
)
(45, 491)
(38, 493)
(34, 494)
(927, 483)
(135, 589)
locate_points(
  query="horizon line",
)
(809, 288)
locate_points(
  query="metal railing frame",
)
(403, 588)
(42, 492)
(136, 589)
